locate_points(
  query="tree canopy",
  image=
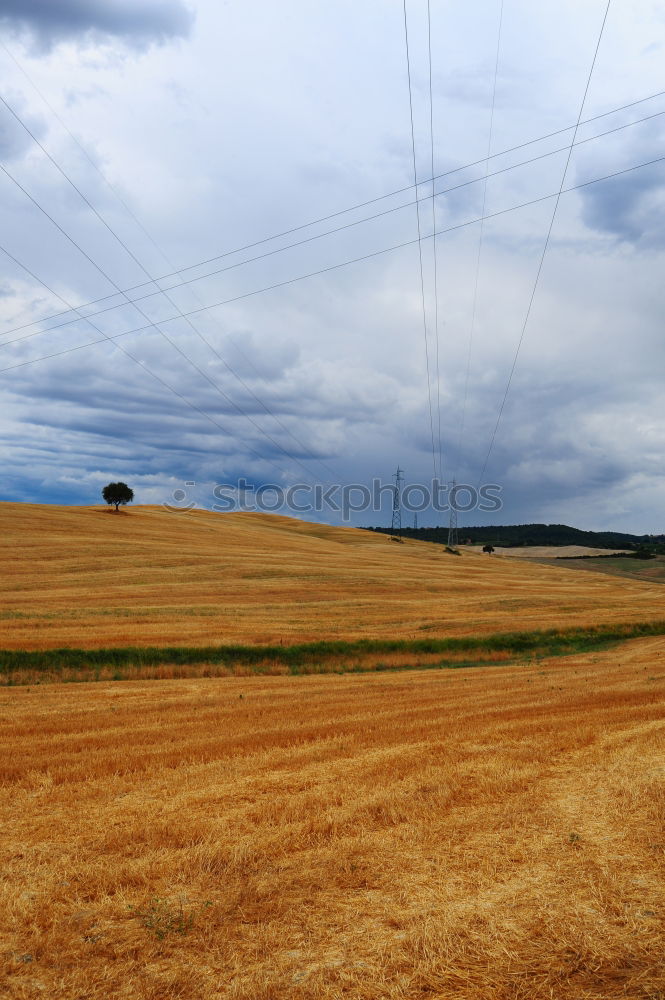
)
(117, 493)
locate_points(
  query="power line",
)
(546, 244)
(409, 187)
(335, 267)
(435, 276)
(354, 260)
(80, 145)
(151, 323)
(109, 185)
(481, 236)
(420, 236)
(142, 365)
(165, 293)
(434, 236)
(310, 239)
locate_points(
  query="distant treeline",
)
(513, 535)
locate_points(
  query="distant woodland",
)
(512, 535)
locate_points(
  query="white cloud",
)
(257, 124)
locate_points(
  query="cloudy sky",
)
(197, 141)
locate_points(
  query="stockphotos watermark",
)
(346, 499)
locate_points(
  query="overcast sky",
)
(194, 128)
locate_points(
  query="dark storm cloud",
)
(136, 22)
(213, 150)
(553, 450)
(630, 207)
(109, 398)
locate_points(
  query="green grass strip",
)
(544, 642)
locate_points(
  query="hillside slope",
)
(86, 577)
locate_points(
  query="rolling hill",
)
(491, 833)
(86, 577)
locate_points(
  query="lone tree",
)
(489, 549)
(117, 493)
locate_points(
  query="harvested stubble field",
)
(480, 834)
(86, 577)
(487, 834)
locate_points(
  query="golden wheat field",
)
(487, 834)
(481, 834)
(86, 577)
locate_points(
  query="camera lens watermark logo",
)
(180, 499)
(346, 499)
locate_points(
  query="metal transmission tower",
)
(396, 527)
(452, 523)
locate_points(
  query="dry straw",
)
(493, 834)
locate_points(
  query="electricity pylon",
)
(452, 523)
(396, 526)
